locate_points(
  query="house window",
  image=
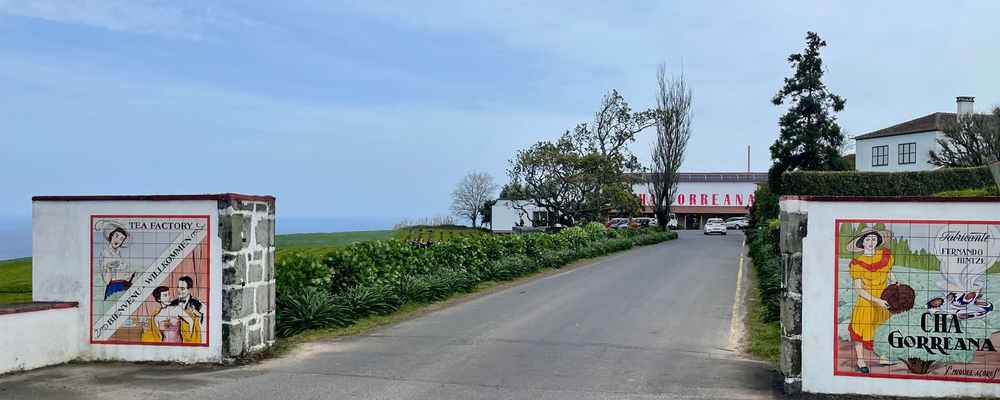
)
(907, 153)
(540, 218)
(880, 156)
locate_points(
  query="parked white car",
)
(737, 223)
(714, 225)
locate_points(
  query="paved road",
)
(653, 322)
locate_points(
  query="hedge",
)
(762, 243)
(854, 183)
(377, 277)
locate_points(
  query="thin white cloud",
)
(177, 19)
(594, 33)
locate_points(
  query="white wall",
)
(505, 216)
(39, 338)
(818, 295)
(925, 141)
(61, 271)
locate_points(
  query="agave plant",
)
(441, 285)
(415, 289)
(368, 300)
(310, 308)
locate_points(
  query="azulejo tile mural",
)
(915, 299)
(150, 279)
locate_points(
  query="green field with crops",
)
(319, 243)
(15, 287)
(436, 233)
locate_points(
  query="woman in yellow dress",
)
(871, 273)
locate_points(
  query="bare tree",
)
(971, 141)
(472, 192)
(673, 129)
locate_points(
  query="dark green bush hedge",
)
(762, 242)
(853, 183)
(373, 278)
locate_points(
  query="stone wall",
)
(793, 230)
(246, 230)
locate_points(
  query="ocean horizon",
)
(15, 231)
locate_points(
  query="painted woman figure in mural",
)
(114, 268)
(167, 324)
(871, 273)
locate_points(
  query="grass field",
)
(15, 285)
(763, 339)
(319, 243)
(436, 233)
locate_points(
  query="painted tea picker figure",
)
(114, 267)
(871, 274)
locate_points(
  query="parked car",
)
(643, 222)
(737, 222)
(613, 222)
(622, 224)
(714, 225)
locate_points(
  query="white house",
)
(906, 146)
(507, 214)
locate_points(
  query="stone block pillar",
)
(246, 229)
(793, 230)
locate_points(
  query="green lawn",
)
(436, 233)
(763, 338)
(15, 284)
(319, 243)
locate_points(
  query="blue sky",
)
(358, 109)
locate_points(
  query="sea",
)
(15, 231)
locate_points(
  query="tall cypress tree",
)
(810, 137)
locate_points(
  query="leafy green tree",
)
(512, 191)
(810, 137)
(486, 213)
(588, 171)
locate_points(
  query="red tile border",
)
(158, 197)
(18, 308)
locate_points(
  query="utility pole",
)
(748, 158)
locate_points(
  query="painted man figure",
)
(193, 307)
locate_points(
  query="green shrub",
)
(763, 251)
(415, 289)
(442, 285)
(980, 192)
(854, 183)
(370, 300)
(309, 308)
(576, 236)
(765, 205)
(595, 230)
(653, 238)
(297, 271)
(376, 262)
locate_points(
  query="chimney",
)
(965, 104)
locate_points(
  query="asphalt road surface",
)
(650, 323)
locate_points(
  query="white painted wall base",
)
(39, 338)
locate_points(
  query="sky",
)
(377, 109)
